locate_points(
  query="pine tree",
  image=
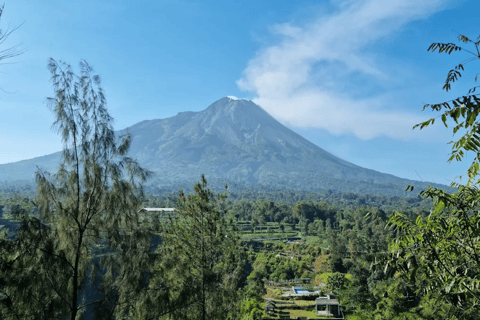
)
(201, 260)
(88, 217)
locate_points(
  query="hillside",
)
(233, 141)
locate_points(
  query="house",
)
(327, 306)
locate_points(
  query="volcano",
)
(233, 141)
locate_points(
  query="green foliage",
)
(277, 267)
(201, 261)
(463, 110)
(252, 309)
(397, 303)
(87, 215)
(443, 248)
(357, 294)
(336, 282)
(439, 254)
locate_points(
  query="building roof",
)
(157, 209)
(325, 301)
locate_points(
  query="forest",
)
(336, 236)
(80, 246)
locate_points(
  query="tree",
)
(202, 261)
(442, 250)
(398, 301)
(12, 51)
(252, 309)
(463, 110)
(252, 304)
(88, 215)
(337, 282)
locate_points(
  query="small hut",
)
(327, 306)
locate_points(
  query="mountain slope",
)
(233, 140)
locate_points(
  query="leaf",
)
(449, 287)
(464, 39)
(455, 114)
(418, 221)
(456, 128)
(444, 119)
(439, 206)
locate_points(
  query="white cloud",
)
(283, 77)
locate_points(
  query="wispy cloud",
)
(285, 77)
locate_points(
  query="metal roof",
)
(157, 209)
(326, 301)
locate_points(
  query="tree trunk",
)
(75, 277)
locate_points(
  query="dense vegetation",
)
(80, 245)
(337, 238)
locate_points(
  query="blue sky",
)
(349, 75)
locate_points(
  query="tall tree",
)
(201, 260)
(88, 215)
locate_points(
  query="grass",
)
(304, 302)
(271, 293)
(302, 313)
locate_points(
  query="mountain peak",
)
(231, 104)
(232, 140)
(235, 98)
